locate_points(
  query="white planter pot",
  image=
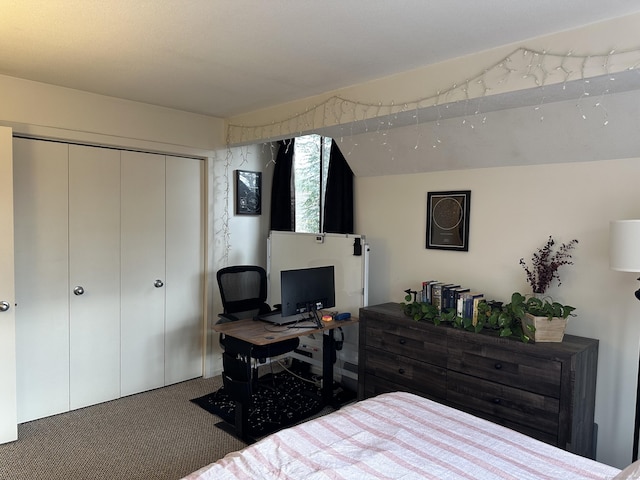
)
(545, 330)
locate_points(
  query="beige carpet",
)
(153, 435)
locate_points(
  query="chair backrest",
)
(243, 290)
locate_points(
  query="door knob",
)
(78, 290)
(4, 306)
(158, 283)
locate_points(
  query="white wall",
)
(42, 110)
(514, 136)
(235, 239)
(513, 211)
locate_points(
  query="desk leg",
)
(327, 367)
(241, 423)
(239, 428)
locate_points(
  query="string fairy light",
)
(537, 67)
(540, 67)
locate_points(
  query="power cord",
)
(315, 382)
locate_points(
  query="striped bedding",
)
(401, 436)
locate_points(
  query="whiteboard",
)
(290, 250)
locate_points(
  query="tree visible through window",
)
(310, 166)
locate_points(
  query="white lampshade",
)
(624, 245)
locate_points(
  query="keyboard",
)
(276, 318)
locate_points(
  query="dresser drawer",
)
(494, 400)
(409, 339)
(419, 377)
(533, 374)
(375, 386)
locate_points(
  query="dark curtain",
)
(338, 206)
(282, 193)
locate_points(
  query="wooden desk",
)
(258, 332)
(264, 333)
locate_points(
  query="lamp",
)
(624, 255)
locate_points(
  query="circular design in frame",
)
(448, 220)
(447, 213)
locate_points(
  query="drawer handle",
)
(497, 401)
(402, 341)
(498, 366)
(401, 371)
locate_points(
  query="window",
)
(310, 169)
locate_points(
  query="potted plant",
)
(529, 319)
(545, 264)
(544, 320)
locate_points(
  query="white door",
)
(41, 207)
(94, 275)
(8, 415)
(143, 271)
(185, 267)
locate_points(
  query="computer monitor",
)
(307, 290)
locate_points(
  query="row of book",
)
(448, 296)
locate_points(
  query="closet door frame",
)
(8, 402)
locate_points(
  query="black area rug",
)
(281, 400)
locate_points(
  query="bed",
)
(403, 436)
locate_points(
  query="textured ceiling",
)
(226, 57)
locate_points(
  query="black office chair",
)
(243, 290)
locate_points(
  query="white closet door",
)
(42, 277)
(94, 272)
(143, 271)
(185, 267)
(8, 417)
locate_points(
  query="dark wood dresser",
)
(545, 390)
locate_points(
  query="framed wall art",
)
(248, 192)
(448, 220)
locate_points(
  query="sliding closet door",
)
(8, 419)
(185, 260)
(41, 172)
(143, 271)
(94, 273)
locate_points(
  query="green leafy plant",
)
(419, 310)
(491, 315)
(506, 319)
(544, 308)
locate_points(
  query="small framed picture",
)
(248, 192)
(448, 220)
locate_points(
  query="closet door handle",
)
(78, 290)
(4, 306)
(158, 283)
